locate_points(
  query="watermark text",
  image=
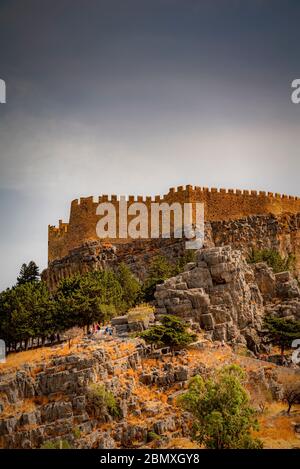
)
(2, 91)
(155, 220)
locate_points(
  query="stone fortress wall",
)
(219, 205)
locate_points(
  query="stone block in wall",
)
(222, 272)
(207, 321)
(220, 332)
(199, 277)
(119, 320)
(199, 298)
(265, 279)
(219, 314)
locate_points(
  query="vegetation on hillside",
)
(273, 259)
(29, 312)
(220, 406)
(56, 444)
(281, 331)
(161, 269)
(101, 401)
(291, 394)
(28, 273)
(171, 332)
(131, 288)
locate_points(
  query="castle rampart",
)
(219, 204)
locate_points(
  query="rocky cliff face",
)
(96, 255)
(280, 292)
(229, 297)
(281, 233)
(218, 291)
(49, 401)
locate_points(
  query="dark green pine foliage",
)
(28, 273)
(281, 331)
(171, 332)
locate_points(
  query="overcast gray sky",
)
(136, 96)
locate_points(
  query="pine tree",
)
(160, 269)
(281, 331)
(28, 273)
(171, 332)
(130, 286)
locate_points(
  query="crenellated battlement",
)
(95, 200)
(60, 229)
(219, 204)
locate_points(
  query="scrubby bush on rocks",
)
(102, 402)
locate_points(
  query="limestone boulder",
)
(221, 294)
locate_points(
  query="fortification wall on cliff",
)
(219, 204)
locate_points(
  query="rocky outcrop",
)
(280, 291)
(50, 402)
(219, 292)
(124, 324)
(278, 232)
(57, 392)
(97, 255)
(279, 286)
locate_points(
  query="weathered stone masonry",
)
(220, 204)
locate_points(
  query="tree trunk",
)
(282, 353)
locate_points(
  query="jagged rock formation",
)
(96, 255)
(281, 233)
(229, 297)
(49, 400)
(219, 292)
(281, 292)
(278, 232)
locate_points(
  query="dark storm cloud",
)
(138, 95)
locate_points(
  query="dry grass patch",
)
(182, 443)
(10, 410)
(276, 428)
(16, 360)
(140, 313)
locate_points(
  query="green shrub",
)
(161, 269)
(171, 332)
(273, 259)
(188, 256)
(102, 401)
(281, 331)
(76, 432)
(220, 408)
(58, 444)
(131, 288)
(151, 436)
